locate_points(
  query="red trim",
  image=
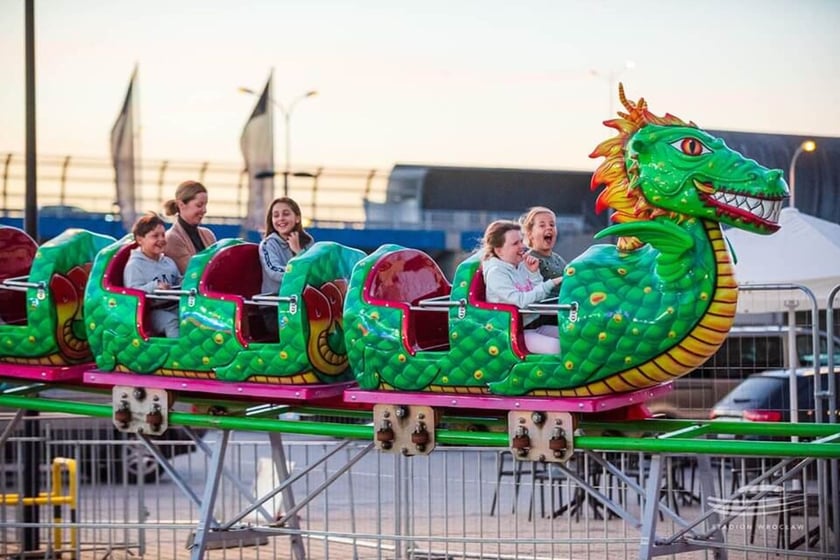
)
(113, 282)
(478, 298)
(234, 274)
(400, 280)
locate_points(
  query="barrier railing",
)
(63, 491)
(68, 184)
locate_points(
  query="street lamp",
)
(612, 78)
(806, 146)
(286, 111)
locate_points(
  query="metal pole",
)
(32, 458)
(792, 174)
(806, 146)
(287, 118)
(31, 208)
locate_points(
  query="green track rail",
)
(679, 437)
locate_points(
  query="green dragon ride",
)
(223, 331)
(45, 326)
(650, 308)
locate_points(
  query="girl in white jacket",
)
(514, 278)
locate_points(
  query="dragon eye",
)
(691, 146)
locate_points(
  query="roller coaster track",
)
(648, 436)
(797, 445)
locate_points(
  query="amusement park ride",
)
(388, 336)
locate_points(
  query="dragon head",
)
(662, 166)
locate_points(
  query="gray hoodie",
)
(143, 273)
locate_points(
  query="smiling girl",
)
(511, 276)
(284, 238)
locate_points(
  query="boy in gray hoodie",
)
(149, 269)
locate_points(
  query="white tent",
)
(805, 251)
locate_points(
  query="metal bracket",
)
(541, 436)
(408, 430)
(138, 410)
(573, 312)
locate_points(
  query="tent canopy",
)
(805, 251)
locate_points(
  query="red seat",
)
(17, 250)
(234, 274)
(113, 281)
(478, 298)
(402, 279)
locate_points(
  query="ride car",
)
(747, 350)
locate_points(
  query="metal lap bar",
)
(440, 303)
(21, 284)
(553, 308)
(274, 301)
(171, 293)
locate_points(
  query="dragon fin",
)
(669, 239)
(664, 236)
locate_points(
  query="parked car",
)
(765, 397)
(747, 350)
(94, 442)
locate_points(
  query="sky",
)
(450, 82)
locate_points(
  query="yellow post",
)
(71, 499)
(55, 499)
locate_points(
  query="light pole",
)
(612, 78)
(286, 111)
(806, 146)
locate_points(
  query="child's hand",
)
(294, 242)
(532, 263)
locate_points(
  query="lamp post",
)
(806, 146)
(612, 78)
(286, 111)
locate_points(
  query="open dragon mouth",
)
(761, 212)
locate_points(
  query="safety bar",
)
(443, 302)
(440, 303)
(173, 294)
(21, 284)
(274, 301)
(553, 308)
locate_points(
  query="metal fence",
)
(344, 500)
(353, 503)
(325, 194)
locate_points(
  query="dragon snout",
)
(775, 177)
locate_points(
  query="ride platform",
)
(238, 390)
(593, 404)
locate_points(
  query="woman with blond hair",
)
(187, 237)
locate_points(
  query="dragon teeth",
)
(760, 207)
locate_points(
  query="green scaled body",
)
(649, 308)
(51, 331)
(216, 320)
